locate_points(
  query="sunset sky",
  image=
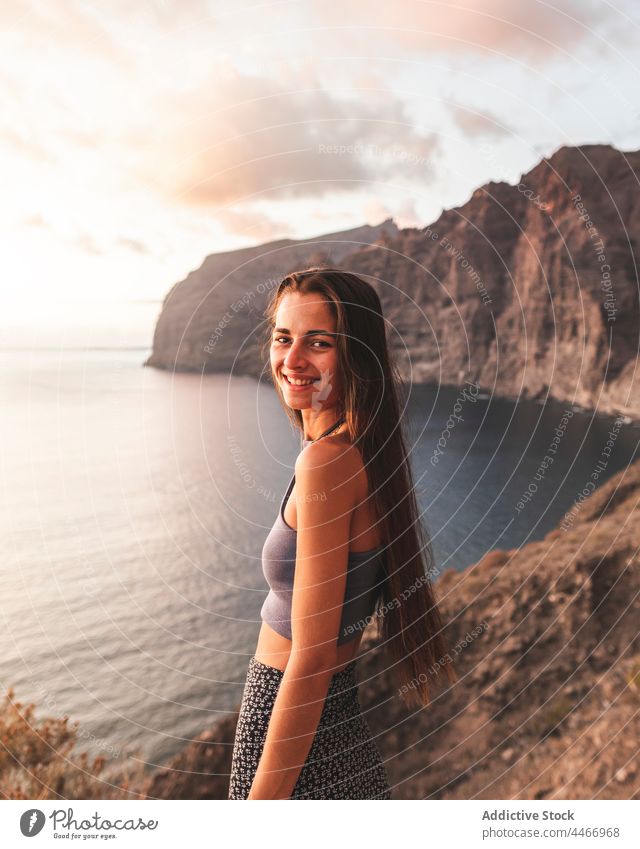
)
(138, 138)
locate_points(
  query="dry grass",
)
(37, 760)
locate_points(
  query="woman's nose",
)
(294, 355)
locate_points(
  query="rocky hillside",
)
(530, 289)
(547, 649)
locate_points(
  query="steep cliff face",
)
(546, 646)
(530, 289)
(213, 319)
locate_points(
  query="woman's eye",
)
(314, 342)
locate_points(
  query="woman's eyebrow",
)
(308, 333)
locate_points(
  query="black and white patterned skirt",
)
(343, 762)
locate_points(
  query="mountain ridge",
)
(531, 302)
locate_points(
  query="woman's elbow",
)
(315, 659)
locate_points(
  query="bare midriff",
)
(273, 649)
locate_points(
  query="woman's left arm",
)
(324, 506)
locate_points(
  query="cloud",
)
(86, 243)
(530, 27)
(406, 215)
(36, 221)
(202, 106)
(17, 140)
(447, 26)
(239, 137)
(59, 25)
(259, 226)
(475, 123)
(134, 245)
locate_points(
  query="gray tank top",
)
(365, 574)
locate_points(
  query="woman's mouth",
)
(302, 385)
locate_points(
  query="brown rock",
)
(514, 270)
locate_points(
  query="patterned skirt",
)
(343, 762)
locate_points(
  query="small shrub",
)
(36, 760)
(549, 719)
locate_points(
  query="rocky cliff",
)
(546, 644)
(213, 319)
(530, 289)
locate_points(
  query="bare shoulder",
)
(332, 461)
(330, 450)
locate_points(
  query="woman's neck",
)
(319, 431)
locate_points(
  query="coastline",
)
(546, 683)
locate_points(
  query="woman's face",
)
(297, 352)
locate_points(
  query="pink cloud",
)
(527, 26)
(476, 123)
(248, 136)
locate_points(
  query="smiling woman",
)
(347, 545)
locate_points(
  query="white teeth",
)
(298, 382)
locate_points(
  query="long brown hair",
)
(409, 623)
